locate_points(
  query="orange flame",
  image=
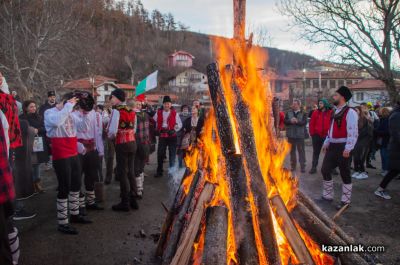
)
(271, 152)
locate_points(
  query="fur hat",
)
(345, 92)
(119, 94)
(166, 99)
(51, 93)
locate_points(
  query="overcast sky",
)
(215, 17)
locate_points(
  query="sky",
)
(216, 16)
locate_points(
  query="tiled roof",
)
(126, 86)
(368, 84)
(85, 83)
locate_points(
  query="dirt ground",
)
(114, 238)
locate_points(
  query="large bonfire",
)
(236, 203)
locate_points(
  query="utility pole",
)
(304, 86)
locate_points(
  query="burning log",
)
(170, 216)
(244, 234)
(258, 187)
(215, 239)
(178, 223)
(184, 251)
(291, 233)
(322, 234)
(220, 109)
(308, 202)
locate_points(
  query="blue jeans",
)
(36, 172)
(385, 158)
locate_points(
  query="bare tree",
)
(32, 36)
(362, 33)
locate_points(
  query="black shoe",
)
(158, 175)
(82, 211)
(133, 203)
(67, 229)
(370, 166)
(79, 219)
(107, 182)
(313, 170)
(94, 206)
(121, 207)
(341, 205)
(323, 199)
(23, 215)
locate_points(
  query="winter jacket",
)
(37, 122)
(297, 130)
(382, 132)
(394, 142)
(320, 123)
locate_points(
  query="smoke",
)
(175, 175)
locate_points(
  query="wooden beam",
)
(215, 243)
(322, 234)
(184, 251)
(239, 20)
(179, 221)
(290, 231)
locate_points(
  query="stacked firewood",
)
(189, 213)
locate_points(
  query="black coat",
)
(394, 142)
(36, 121)
(22, 168)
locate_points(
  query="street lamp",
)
(304, 86)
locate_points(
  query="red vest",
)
(171, 122)
(126, 125)
(340, 132)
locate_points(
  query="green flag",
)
(149, 83)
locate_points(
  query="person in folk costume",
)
(9, 241)
(61, 127)
(13, 135)
(143, 143)
(168, 124)
(340, 141)
(92, 140)
(122, 128)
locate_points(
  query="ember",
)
(236, 203)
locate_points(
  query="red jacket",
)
(320, 123)
(7, 192)
(10, 110)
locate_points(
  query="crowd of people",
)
(74, 136)
(349, 136)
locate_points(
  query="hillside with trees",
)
(46, 43)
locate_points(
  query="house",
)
(317, 84)
(191, 82)
(100, 86)
(180, 59)
(369, 90)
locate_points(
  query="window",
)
(315, 83)
(308, 83)
(340, 82)
(324, 83)
(349, 82)
(105, 87)
(360, 96)
(278, 86)
(332, 83)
